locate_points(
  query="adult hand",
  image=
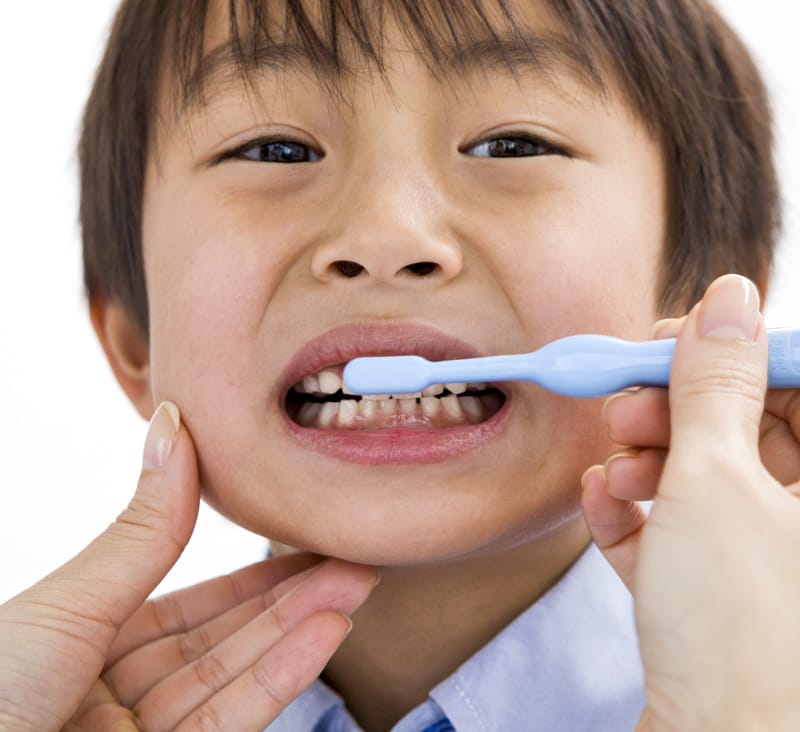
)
(715, 567)
(80, 651)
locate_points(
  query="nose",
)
(391, 229)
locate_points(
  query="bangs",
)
(336, 39)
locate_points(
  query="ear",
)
(126, 349)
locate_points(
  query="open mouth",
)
(320, 401)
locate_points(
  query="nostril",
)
(348, 268)
(421, 269)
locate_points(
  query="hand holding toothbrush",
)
(715, 567)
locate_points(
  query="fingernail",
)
(730, 309)
(161, 434)
(659, 326)
(625, 454)
(613, 398)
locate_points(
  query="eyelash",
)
(239, 153)
(517, 138)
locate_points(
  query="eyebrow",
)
(521, 52)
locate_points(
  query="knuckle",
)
(211, 672)
(281, 617)
(276, 685)
(194, 644)
(208, 720)
(144, 523)
(143, 512)
(739, 385)
(727, 375)
(168, 614)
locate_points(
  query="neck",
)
(421, 623)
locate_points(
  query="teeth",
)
(348, 409)
(451, 406)
(308, 413)
(433, 390)
(480, 386)
(310, 384)
(407, 405)
(457, 388)
(357, 414)
(329, 382)
(472, 407)
(375, 397)
(327, 413)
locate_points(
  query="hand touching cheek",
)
(79, 648)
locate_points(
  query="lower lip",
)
(400, 446)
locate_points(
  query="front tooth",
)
(472, 406)
(347, 411)
(407, 405)
(327, 413)
(451, 406)
(367, 407)
(457, 388)
(375, 397)
(430, 406)
(310, 384)
(329, 382)
(433, 390)
(387, 406)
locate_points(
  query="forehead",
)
(336, 43)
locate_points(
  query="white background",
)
(70, 444)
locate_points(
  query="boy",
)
(269, 190)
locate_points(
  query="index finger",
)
(179, 611)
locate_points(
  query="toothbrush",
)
(577, 366)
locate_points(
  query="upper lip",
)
(346, 342)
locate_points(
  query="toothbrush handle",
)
(654, 359)
(595, 365)
(784, 358)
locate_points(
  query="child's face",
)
(247, 296)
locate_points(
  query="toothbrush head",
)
(387, 375)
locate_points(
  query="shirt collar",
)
(570, 661)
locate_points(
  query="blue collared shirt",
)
(569, 663)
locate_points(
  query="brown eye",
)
(275, 151)
(513, 147)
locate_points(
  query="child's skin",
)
(238, 259)
(239, 256)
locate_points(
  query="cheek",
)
(213, 263)
(211, 278)
(584, 258)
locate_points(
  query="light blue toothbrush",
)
(578, 366)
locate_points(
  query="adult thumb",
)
(719, 372)
(114, 574)
(56, 634)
